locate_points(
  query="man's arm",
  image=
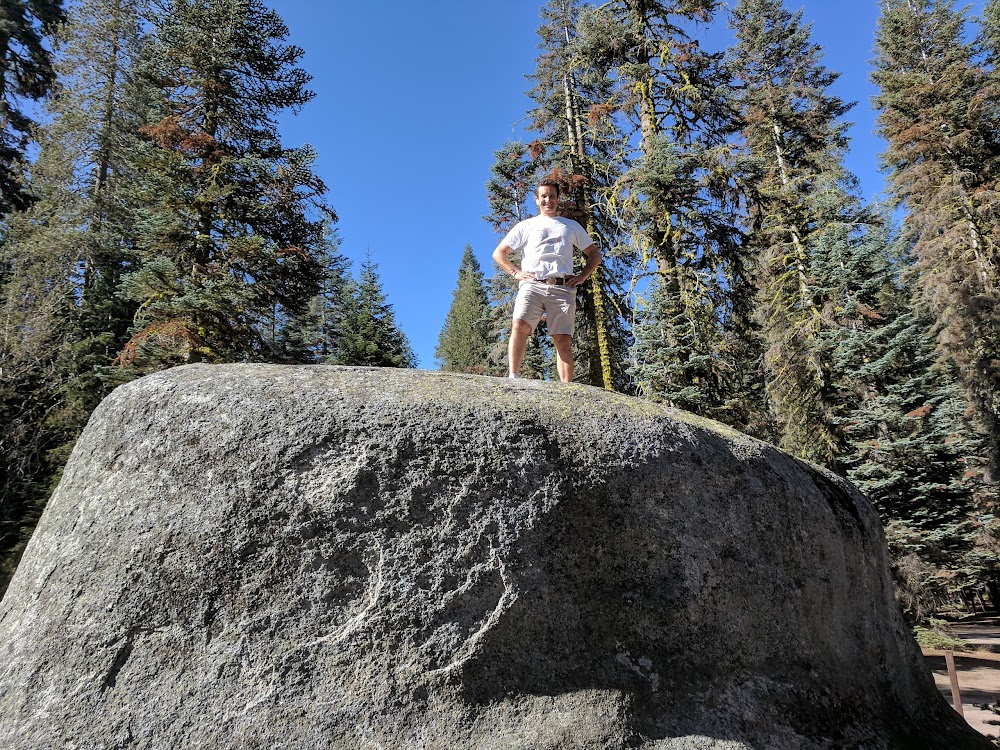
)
(593, 256)
(502, 257)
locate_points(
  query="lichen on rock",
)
(316, 557)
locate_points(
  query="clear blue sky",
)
(412, 99)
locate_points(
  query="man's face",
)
(548, 200)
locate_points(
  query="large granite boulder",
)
(317, 557)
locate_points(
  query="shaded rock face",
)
(313, 557)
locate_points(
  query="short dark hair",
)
(548, 182)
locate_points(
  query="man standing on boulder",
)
(546, 282)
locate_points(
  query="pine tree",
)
(989, 34)
(26, 72)
(91, 130)
(118, 220)
(232, 220)
(908, 445)
(513, 176)
(35, 356)
(667, 352)
(66, 252)
(465, 342)
(938, 114)
(371, 336)
(576, 149)
(500, 292)
(314, 335)
(678, 196)
(515, 171)
(802, 208)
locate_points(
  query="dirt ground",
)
(978, 671)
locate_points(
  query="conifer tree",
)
(232, 220)
(500, 291)
(371, 336)
(118, 222)
(66, 252)
(989, 34)
(584, 154)
(667, 353)
(515, 171)
(314, 335)
(539, 356)
(798, 210)
(907, 442)
(26, 72)
(677, 199)
(513, 176)
(35, 356)
(938, 114)
(84, 163)
(464, 343)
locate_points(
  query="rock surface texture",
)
(321, 558)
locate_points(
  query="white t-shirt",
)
(547, 244)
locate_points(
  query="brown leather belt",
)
(560, 281)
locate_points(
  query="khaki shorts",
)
(557, 302)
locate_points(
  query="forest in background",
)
(150, 216)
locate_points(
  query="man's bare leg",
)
(564, 356)
(517, 345)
